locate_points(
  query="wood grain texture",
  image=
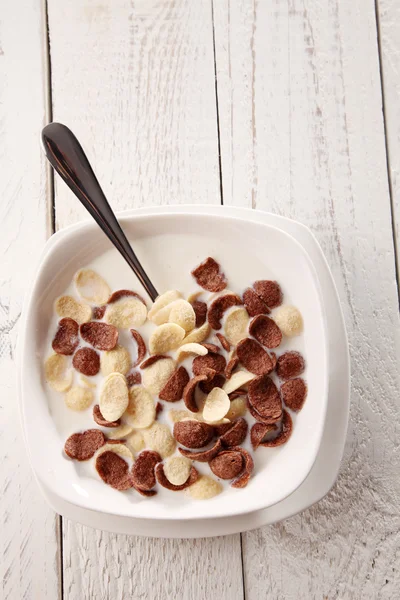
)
(302, 135)
(143, 104)
(28, 544)
(388, 12)
(142, 99)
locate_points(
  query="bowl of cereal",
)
(209, 402)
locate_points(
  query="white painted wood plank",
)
(302, 135)
(136, 85)
(389, 30)
(143, 104)
(28, 544)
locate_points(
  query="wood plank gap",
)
(388, 169)
(221, 189)
(51, 230)
(49, 115)
(60, 556)
(243, 569)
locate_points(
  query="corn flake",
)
(67, 306)
(57, 373)
(91, 286)
(114, 397)
(141, 411)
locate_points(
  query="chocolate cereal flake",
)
(254, 304)
(99, 335)
(100, 420)
(66, 339)
(141, 347)
(236, 434)
(82, 446)
(173, 389)
(243, 479)
(200, 310)
(231, 366)
(212, 382)
(202, 364)
(212, 347)
(209, 276)
(265, 420)
(264, 397)
(86, 361)
(269, 291)
(284, 433)
(205, 455)
(133, 378)
(193, 434)
(227, 465)
(143, 476)
(294, 393)
(115, 296)
(189, 393)
(114, 470)
(266, 331)
(219, 306)
(223, 341)
(253, 357)
(290, 364)
(151, 360)
(98, 312)
(258, 432)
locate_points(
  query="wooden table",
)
(291, 106)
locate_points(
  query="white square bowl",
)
(168, 246)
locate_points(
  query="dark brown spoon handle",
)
(66, 155)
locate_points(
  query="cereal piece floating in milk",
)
(164, 481)
(79, 398)
(173, 389)
(141, 347)
(294, 393)
(57, 372)
(114, 470)
(209, 276)
(91, 286)
(182, 314)
(141, 410)
(86, 361)
(82, 446)
(66, 339)
(290, 364)
(205, 488)
(236, 325)
(157, 374)
(177, 469)
(254, 304)
(158, 437)
(114, 397)
(265, 331)
(100, 420)
(165, 338)
(253, 357)
(219, 306)
(99, 335)
(289, 320)
(269, 291)
(128, 311)
(67, 306)
(203, 455)
(117, 360)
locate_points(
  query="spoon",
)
(67, 157)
